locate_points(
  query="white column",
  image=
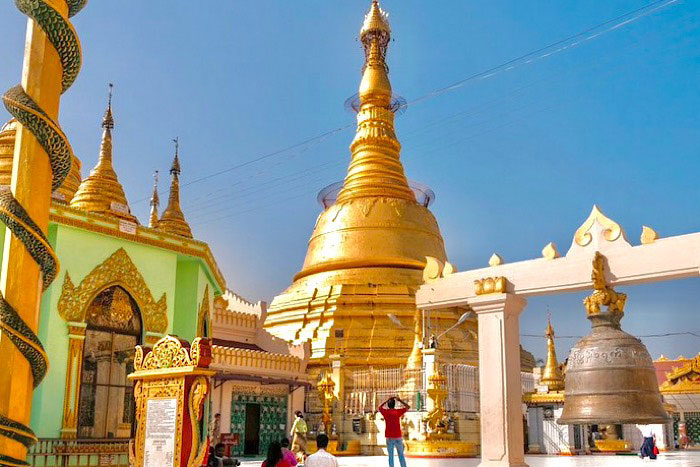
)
(500, 388)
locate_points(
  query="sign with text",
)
(161, 425)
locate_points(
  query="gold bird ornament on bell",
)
(610, 376)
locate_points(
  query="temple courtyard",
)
(674, 459)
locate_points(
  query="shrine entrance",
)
(256, 421)
(106, 407)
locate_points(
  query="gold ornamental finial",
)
(101, 191)
(375, 168)
(604, 295)
(551, 375)
(173, 220)
(155, 202)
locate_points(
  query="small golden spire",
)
(173, 220)
(155, 201)
(101, 191)
(551, 375)
(375, 168)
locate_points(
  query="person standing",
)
(321, 458)
(394, 437)
(215, 430)
(647, 449)
(298, 432)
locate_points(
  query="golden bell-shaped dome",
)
(376, 232)
(101, 191)
(8, 134)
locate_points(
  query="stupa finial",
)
(101, 191)
(155, 202)
(375, 169)
(173, 219)
(108, 120)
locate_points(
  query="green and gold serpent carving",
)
(64, 39)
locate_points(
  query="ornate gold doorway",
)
(106, 404)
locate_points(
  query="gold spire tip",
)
(108, 119)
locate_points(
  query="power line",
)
(570, 41)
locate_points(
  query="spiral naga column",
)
(42, 160)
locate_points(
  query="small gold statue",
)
(604, 294)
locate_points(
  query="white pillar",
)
(500, 388)
(534, 429)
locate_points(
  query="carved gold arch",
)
(73, 304)
(203, 313)
(119, 270)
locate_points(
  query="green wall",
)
(182, 278)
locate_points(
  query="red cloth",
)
(282, 463)
(393, 425)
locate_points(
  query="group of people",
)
(281, 454)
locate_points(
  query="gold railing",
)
(79, 453)
(254, 359)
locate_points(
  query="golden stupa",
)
(367, 253)
(551, 374)
(8, 133)
(173, 220)
(101, 191)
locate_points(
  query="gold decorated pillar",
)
(51, 64)
(171, 385)
(76, 341)
(338, 377)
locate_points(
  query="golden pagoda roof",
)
(551, 374)
(8, 134)
(683, 379)
(101, 191)
(173, 220)
(375, 232)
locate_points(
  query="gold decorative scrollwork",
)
(198, 392)
(611, 233)
(490, 285)
(168, 353)
(118, 269)
(203, 312)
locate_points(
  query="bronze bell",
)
(610, 377)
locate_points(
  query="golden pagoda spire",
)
(173, 220)
(101, 191)
(375, 168)
(155, 201)
(551, 375)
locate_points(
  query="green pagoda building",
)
(120, 284)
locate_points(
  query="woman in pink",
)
(288, 455)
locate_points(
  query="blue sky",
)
(516, 159)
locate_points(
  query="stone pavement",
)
(670, 459)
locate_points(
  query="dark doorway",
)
(252, 430)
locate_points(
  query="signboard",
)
(127, 227)
(161, 424)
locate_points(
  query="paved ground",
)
(671, 459)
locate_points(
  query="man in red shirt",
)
(394, 437)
